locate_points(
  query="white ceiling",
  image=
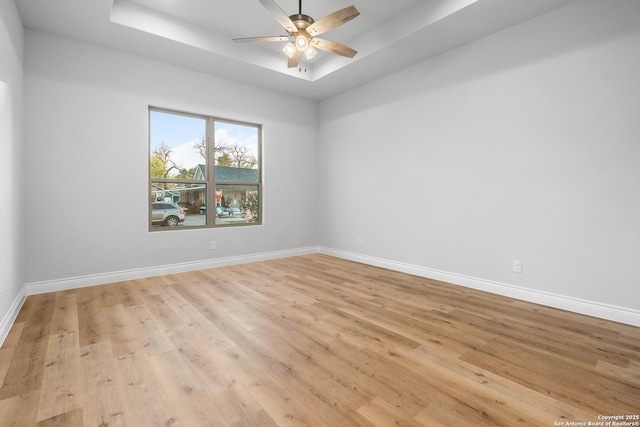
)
(388, 35)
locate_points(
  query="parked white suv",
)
(166, 213)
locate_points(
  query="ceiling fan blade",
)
(280, 16)
(295, 59)
(333, 47)
(262, 39)
(332, 21)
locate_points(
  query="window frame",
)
(210, 180)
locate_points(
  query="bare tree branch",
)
(218, 150)
(241, 158)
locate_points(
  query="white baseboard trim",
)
(590, 308)
(143, 273)
(10, 317)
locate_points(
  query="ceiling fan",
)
(302, 31)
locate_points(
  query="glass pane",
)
(177, 146)
(237, 152)
(182, 205)
(237, 204)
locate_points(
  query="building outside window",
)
(204, 171)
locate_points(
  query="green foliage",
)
(185, 173)
(158, 165)
(224, 160)
(161, 163)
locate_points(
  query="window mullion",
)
(211, 185)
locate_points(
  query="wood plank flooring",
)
(310, 341)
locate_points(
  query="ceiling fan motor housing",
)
(301, 21)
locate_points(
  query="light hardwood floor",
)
(310, 340)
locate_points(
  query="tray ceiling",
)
(197, 34)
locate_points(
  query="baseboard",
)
(576, 305)
(10, 317)
(142, 273)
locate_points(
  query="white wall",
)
(524, 145)
(12, 260)
(87, 167)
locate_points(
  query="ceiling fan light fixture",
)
(289, 49)
(302, 42)
(310, 52)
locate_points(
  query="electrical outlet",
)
(359, 241)
(517, 266)
(213, 245)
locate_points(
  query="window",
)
(204, 171)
